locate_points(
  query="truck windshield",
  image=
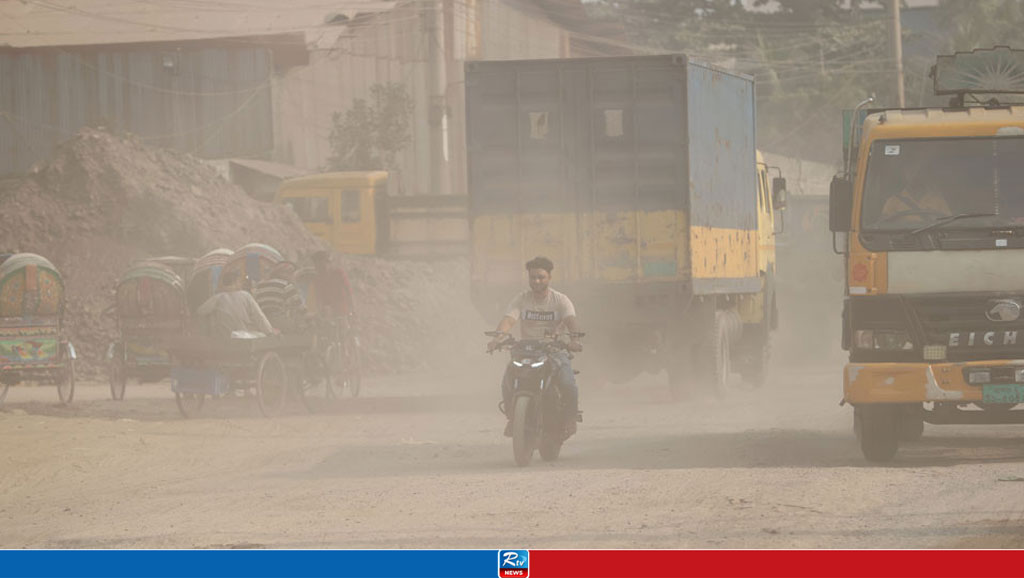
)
(912, 183)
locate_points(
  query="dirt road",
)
(420, 462)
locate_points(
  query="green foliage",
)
(369, 136)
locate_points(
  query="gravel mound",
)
(103, 201)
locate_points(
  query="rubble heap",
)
(103, 201)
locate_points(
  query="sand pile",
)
(103, 201)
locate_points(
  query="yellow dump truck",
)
(354, 213)
(929, 214)
(639, 177)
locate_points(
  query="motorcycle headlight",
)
(882, 339)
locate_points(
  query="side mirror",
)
(779, 193)
(840, 205)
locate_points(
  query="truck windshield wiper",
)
(946, 220)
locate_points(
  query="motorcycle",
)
(537, 413)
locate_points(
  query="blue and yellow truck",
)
(639, 177)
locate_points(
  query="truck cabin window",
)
(311, 209)
(913, 183)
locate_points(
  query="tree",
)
(369, 136)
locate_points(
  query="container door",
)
(637, 222)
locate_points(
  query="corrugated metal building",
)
(258, 79)
(205, 99)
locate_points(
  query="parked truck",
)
(639, 177)
(929, 213)
(354, 212)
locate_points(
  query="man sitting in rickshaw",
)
(233, 309)
(280, 300)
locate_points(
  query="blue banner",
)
(250, 563)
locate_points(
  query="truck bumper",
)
(915, 382)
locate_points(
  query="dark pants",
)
(564, 379)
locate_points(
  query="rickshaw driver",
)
(233, 309)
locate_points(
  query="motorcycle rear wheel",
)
(523, 435)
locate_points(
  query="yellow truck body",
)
(353, 212)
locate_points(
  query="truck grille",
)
(962, 324)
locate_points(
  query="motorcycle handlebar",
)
(551, 341)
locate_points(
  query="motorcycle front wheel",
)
(523, 431)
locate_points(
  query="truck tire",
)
(720, 356)
(878, 426)
(757, 354)
(911, 423)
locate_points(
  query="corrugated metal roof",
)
(42, 23)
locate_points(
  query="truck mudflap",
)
(995, 382)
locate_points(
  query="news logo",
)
(513, 563)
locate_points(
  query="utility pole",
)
(897, 49)
(437, 86)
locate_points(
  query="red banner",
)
(774, 563)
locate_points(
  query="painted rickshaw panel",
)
(31, 306)
(205, 276)
(150, 303)
(30, 286)
(254, 260)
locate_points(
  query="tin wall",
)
(210, 101)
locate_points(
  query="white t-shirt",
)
(537, 316)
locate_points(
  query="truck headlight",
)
(883, 339)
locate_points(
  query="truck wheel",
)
(721, 365)
(758, 354)
(911, 423)
(879, 431)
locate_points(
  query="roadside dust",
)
(420, 462)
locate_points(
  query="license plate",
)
(1003, 393)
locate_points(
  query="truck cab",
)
(930, 217)
(353, 213)
(339, 208)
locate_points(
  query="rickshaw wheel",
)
(189, 404)
(66, 385)
(335, 374)
(271, 384)
(118, 379)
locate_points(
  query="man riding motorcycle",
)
(541, 311)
